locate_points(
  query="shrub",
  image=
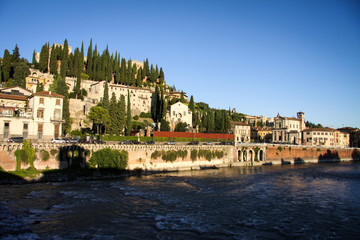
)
(280, 149)
(193, 155)
(53, 152)
(107, 158)
(44, 155)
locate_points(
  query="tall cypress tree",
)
(78, 83)
(44, 58)
(16, 54)
(82, 57)
(64, 60)
(154, 105)
(89, 63)
(113, 112)
(106, 96)
(122, 113)
(123, 71)
(6, 65)
(33, 58)
(53, 61)
(128, 118)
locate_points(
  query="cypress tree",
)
(129, 73)
(123, 71)
(6, 65)
(89, 60)
(154, 105)
(53, 61)
(121, 115)
(21, 71)
(78, 83)
(1, 74)
(138, 78)
(39, 87)
(44, 58)
(128, 114)
(192, 108)
(33, 58)
(82, 57)
(106, 96)
(113, 112)
(64, 60)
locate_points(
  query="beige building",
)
(288, 130)
(179, 112)
(326, 137)
(241, 131)
(36, 117)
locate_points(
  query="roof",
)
(13, 97)
(47, 94)
(326, 129)
(239, 123)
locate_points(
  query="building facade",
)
(261, 134)
(326, 137)
(177, 113)
(288, 130)
(241, 131)
(37, 117)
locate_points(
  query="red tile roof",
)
(326, 129)
(13, 97)
(239, 123)
(47, 94)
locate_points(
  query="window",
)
(40, 130)
(6, 129)
(57, 131)
(25, 130)
(40, 113)
(41, 100)
(57, 115)
(58, 102)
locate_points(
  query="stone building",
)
(288, 130)
(354, 136)
(241, 131)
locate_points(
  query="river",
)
(319, 201)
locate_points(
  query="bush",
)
(145, 115)
(44, 155)
(107, 158)
(193, 155)
(53, 152)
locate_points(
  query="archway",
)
(245, 156)
(251, 157)
(261, 155)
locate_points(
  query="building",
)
(288, 130)
(326, 137)
(179, 112)
(36, 77)
(36, 117)
(241, 131)
(354, 135)
(261, 134)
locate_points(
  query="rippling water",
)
(272, 202)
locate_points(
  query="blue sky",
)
(260, 57)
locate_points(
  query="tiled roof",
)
(13, 97)
(240, 123)
(326, 129)
(47, 94)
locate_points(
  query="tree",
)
(29, 153)
(106, 96)
(39, 87)
(164, 125)
(122, 113)
(89, 63)
(181, 127)
(128, 114)
(34, 62)
(6, 66)
(192, 108)
(66, 116)
(44, 58)
(114, 114)
(154, 105)
(64, 60)
(53, 61)
(100, 116)
(21, 71)
(16, 54)
(78, 83)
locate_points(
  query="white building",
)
(179, 112)
(326, 137)
(241, 131)
(37, 117)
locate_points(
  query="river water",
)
(320, 201)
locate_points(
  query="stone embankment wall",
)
(287, 154)
(140, 156)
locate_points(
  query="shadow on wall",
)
(72, 156)
(329, 157)
(299, 160)
(355, 155)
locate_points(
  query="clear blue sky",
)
(261, 57)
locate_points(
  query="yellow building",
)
(259, 134)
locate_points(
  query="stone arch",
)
(261, 155)
(251, 155)
(245, 156)
(240, 156)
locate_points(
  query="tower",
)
(301, 117)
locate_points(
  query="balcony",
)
(57, 119)
(17, 114)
